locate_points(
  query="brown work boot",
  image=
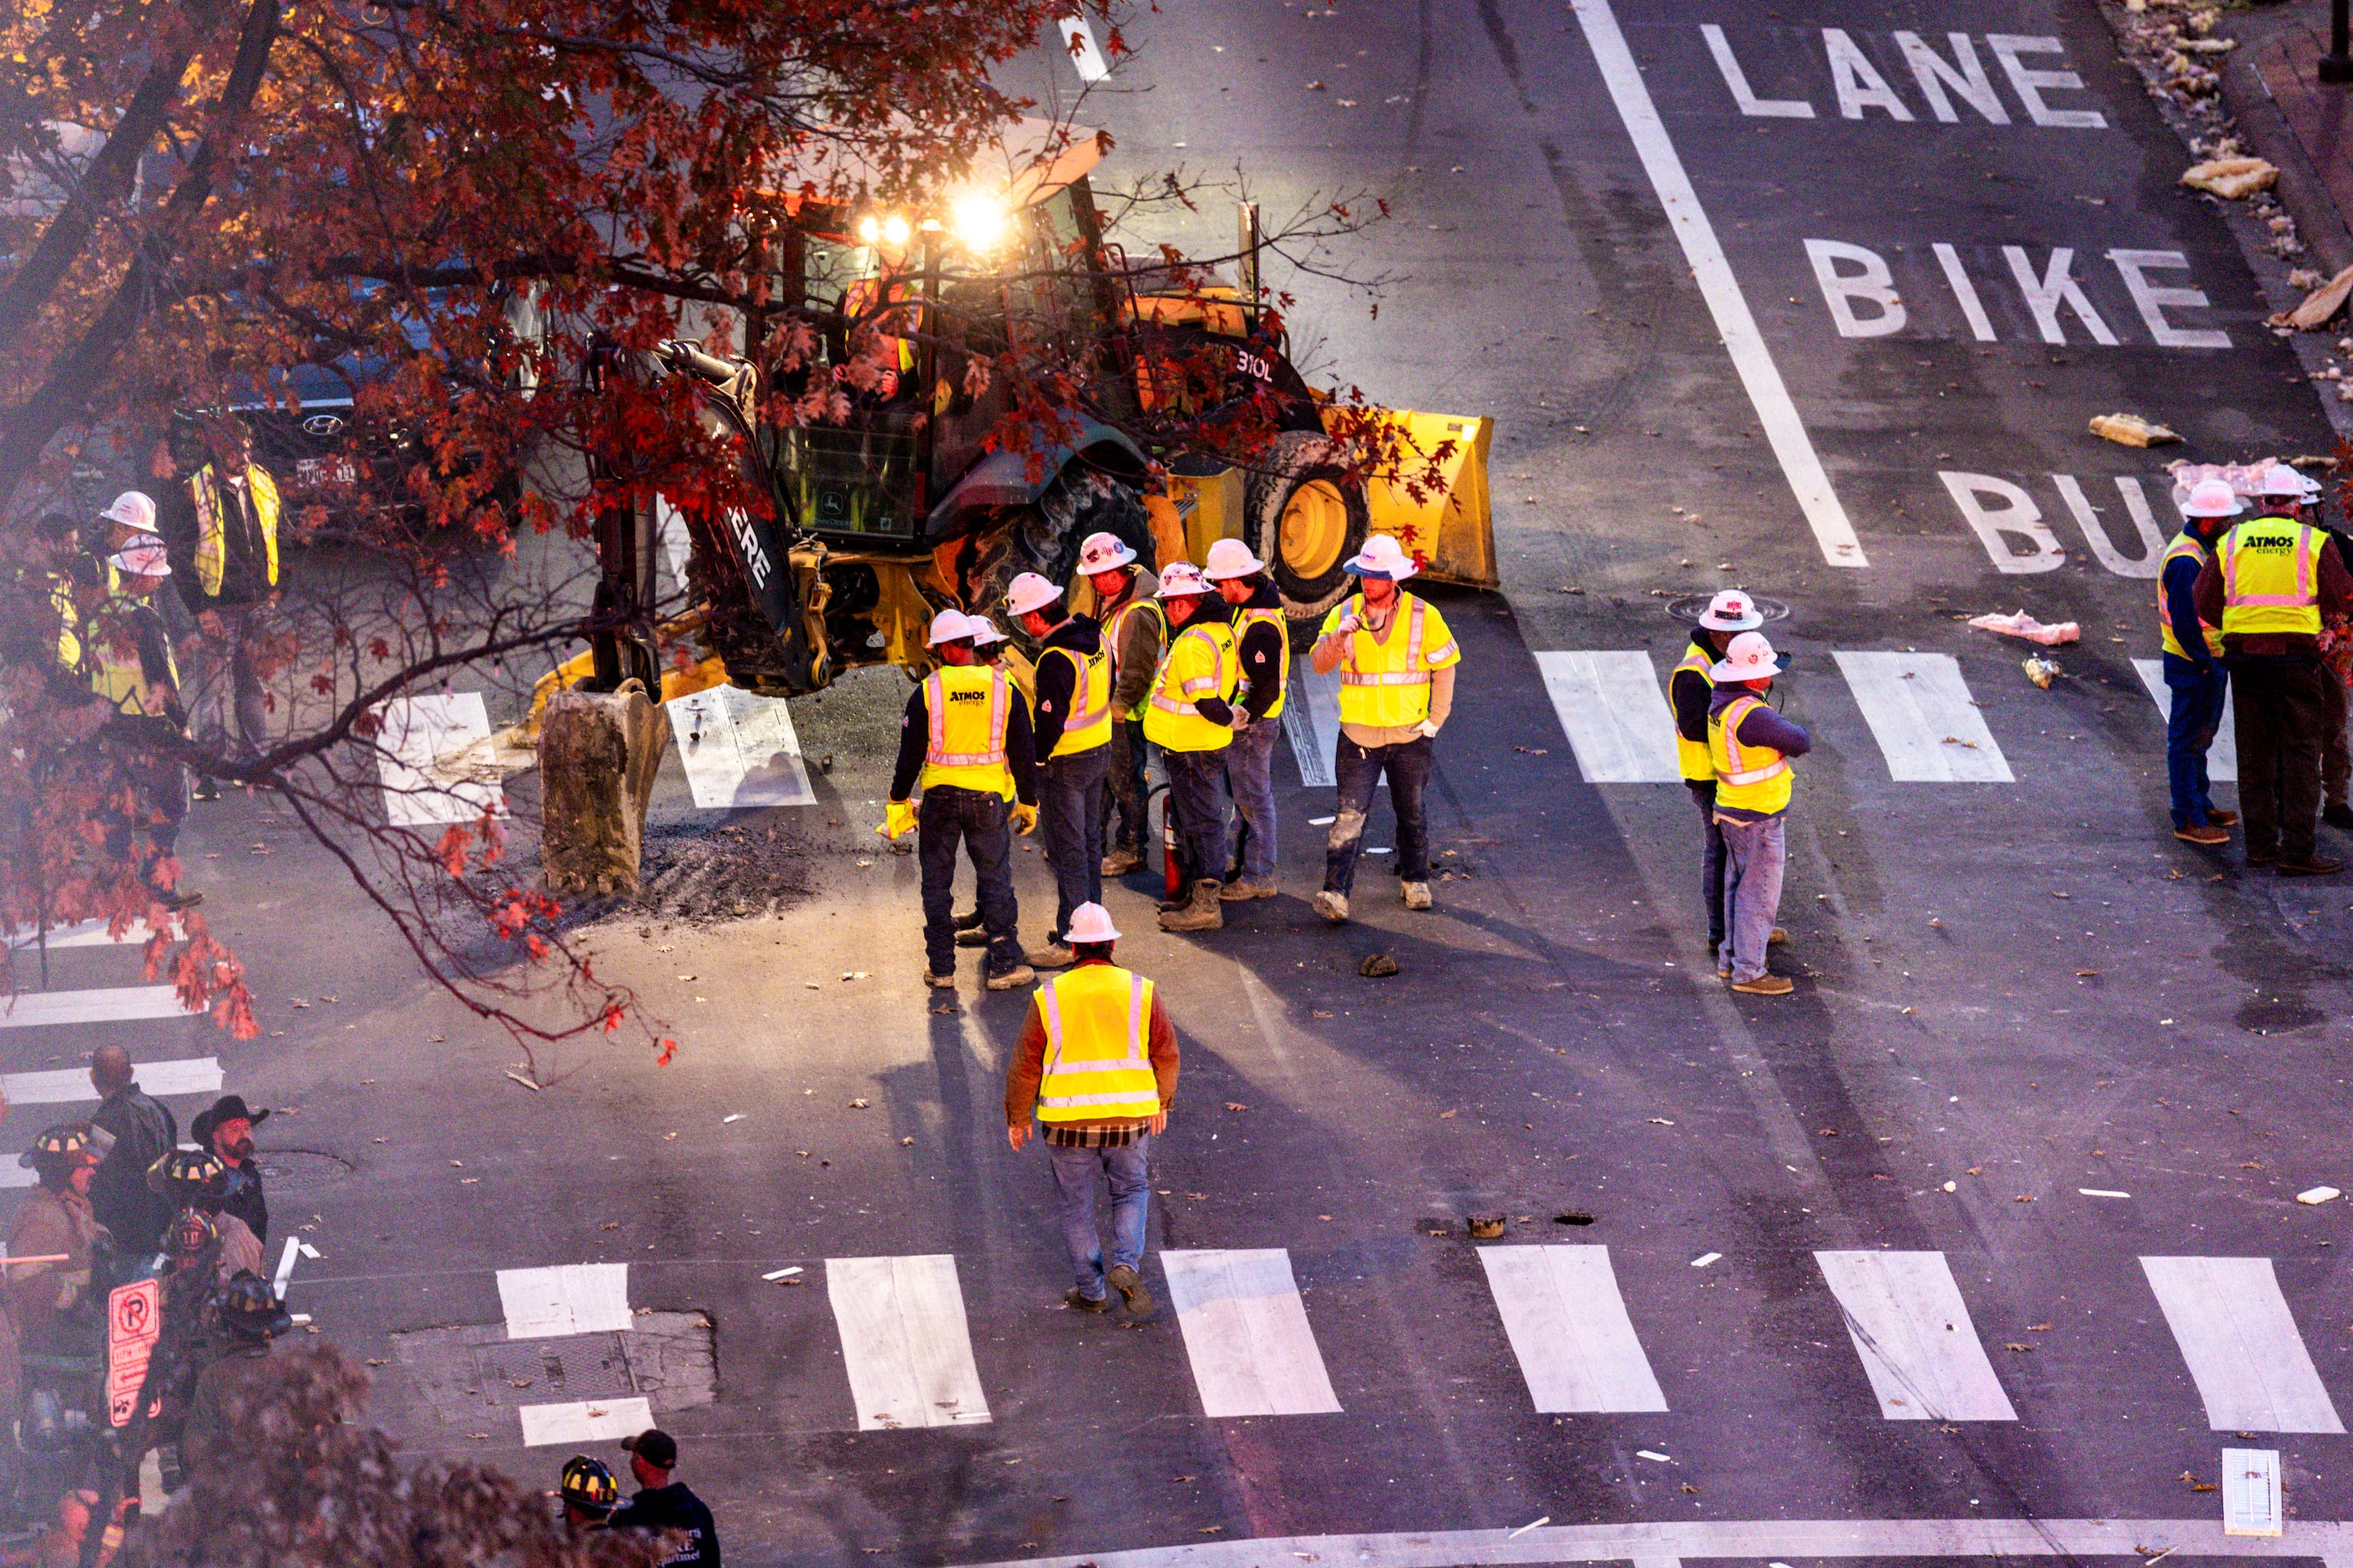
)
(2319, 866)
(1053, 955)
(972, 936)
(2218, 817)
(1019, 974)
(1120, 861)
(1122, 1278)
(1201, 914)
(1240, 892)
(1079, 1301)
(1332, 907)
(2201, 833)
(939, 982)
(1416, 895)
(1766, 985)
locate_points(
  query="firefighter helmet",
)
(188, 1174)
(589, 1486)
(192, 1232)
(67, 1143)
(249, 1307)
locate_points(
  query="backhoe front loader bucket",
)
(1448, 526)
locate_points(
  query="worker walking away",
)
(1191, 721)
(965, 738)
(1262, 642)
(1096, 1063)
(1133, 633)
(2267, 584)
(251, 1316)
(1750, 746)
(2190, 650)
(1396, 659)
(664, 1506)
(1689, 690)
(1072, 728)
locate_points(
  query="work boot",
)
(1201, 914)
(1332, 907)
(1079, 1301)
(1416, 895)
(2319, 866)
(206, 788)
(968, 930)
(1766, 985)
(2337, 816)
(2262, 857)
(1778, 938)
(1241, 891)
(1019, 974)
(2201, 833)
(1120, 861)
(179, 898)
(939, 982)
(1123, 1279)
(1053, 955)
(2217, 818)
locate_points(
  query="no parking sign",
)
(134, 1321)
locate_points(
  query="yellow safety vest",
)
(968, 706)
(212, 542)
(61, 601)
(1283, 672)
(1199, 663)
(1114, 627)
(1098, 1046)
(1089, 723)
(1386, 685)
(2271, 577)
(2184, 543)
(1692, 757)
(117, 672)
(1751, 778)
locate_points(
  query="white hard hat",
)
(1030, 592)
(949, 626)
(2212, 497)
(143, 555)
(984, 632)
(1748, 657)
(2281, 480)
(1381, 557)
(1103, 553)
(133, 509)
(1731, 611)
(1182, 579)
(1230, 557)
(1091, 923)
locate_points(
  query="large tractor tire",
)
(1306, 517)
(1044, 537)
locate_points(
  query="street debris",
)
(527, 1083)
(1532, 1524)
(1952, 1186)
(2318, 306)
(860, 1104)
(2101, 1193)
(725, 1119)
(2130, 431)
(1704, 1258)
(1487, 1226)
(2022, 624)
(1660, 1458)
(1379, 966)
(2315, 1194)
(2230, 178)
(2042, 672)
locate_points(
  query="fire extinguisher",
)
(1171, 862)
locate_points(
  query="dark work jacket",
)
(1057, 678)
(1261, 649)
(142, 1131)
(244, 1197)
(673, 1508)
(1688, 693)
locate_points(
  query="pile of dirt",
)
(725, 873)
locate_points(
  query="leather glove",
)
(1426, 730)
(1025, 819)
(898, 819)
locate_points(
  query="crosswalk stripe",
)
(1311, 722)
(1912, 1330)
(2250, 1493)
(435, 747)
(1246, 1334)
(739, 749)
(585, 1421)
(82, 934)
(1568, 1327)
(1921, 714)
(2223, 756)
(64, 1086)
(1616, 717)
(905, 1341)
(2241, 1342)
(569, 1298)
(108, 1004)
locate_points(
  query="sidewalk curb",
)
(2264, 127)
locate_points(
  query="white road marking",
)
(1736, 81)
(585, 1421)
(569, 1298)
(2223, 756)
(2241, 1341)
(1615, 715)
(904, 1342)
(1912, 1330)
(430, 766)
(1246, 1334)
(1665, 1543)
(1079, 43)
(1921, 717)
(65, 1085)
(1568, 1327)
(739, 749)
(1725, 303)
(1965, 293)
(110, 1005)
(2250, 1493)
(82, 934)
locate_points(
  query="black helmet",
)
(191, 1233)
(249, 1308)
(588, 1486)
(187, 1176)
(59, 1149)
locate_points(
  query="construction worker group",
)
(1194, 665)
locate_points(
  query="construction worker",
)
(2191, 653)
(965, 738)
(1097, 1064)
(988, 640)
(1750, 746)
(1190, 719)
(1689, 689)
(1396, 659)
(251, 1316)
(2267, 586)
(1133, 633)
(1263, 641)
(589, 1492)
(1073, 726)
(220, 521)
(126, 649)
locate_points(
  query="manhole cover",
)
(298, 1170)
(1689, 607)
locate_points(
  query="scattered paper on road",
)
(1704, 1258)
(2318, 306)
(2130, 431)
(2101, 1193)
(2022, 624)
(2230, 178)
(2315, 1194)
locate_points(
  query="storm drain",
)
(670, 1358)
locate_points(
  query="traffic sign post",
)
(134, 1321)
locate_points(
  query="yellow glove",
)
(898, 819)
(1025, 819)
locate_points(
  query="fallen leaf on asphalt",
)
(376, 1360)
(1212, 1530)
(1655, 1120)
(610, 1225)
(1976, 1170)
(2023, 1198)
(379, 1139)
(1318, 1013)
(2087, 974)
(1691, 1489)
(857, 1105)
(906, 1142)
(685, 977)
(2038, 1328)
(458, 1163)
(1236, 1105)
(2021, 1349)
(1196, 1196)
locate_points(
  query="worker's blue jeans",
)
(1249, 775)
(1755, 855)
(1126, 1169)
(982, 824)
(1072, 795)
(1711, 863)
(2190, 729)
(1197, 795)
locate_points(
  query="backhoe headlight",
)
(979, 221)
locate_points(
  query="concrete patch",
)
(671, 1358)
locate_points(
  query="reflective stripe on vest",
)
(1391, 694)
(2184, 543)
(1089, 724)
(1698, 763)
(957, 753)
(1098, 1064)
(1283, 674)
(1745, 779)
(2269, 568)
(212, 541)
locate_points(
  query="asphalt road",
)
(2012, 981)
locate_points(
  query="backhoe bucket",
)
(1448, 526)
